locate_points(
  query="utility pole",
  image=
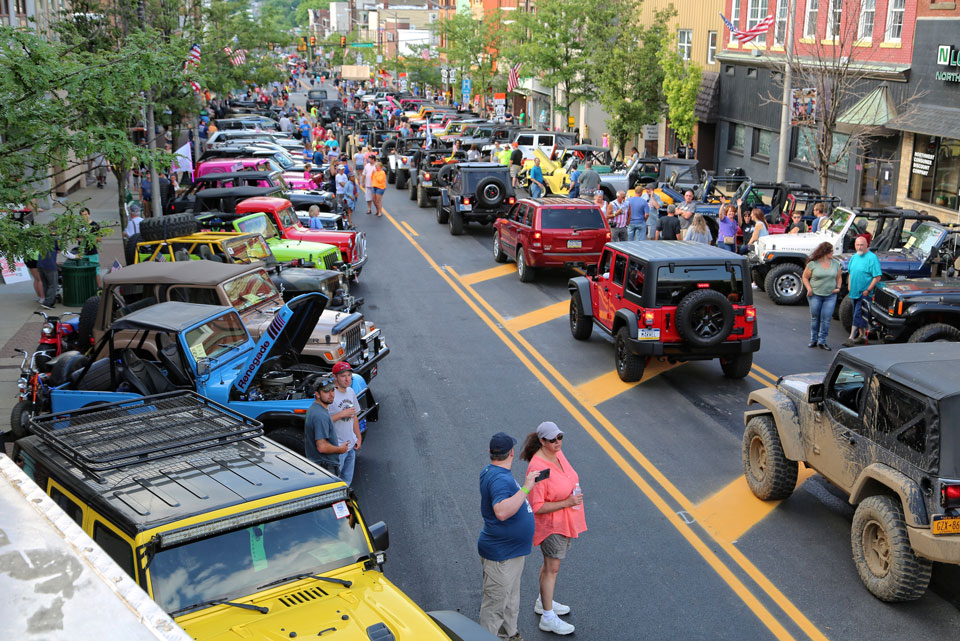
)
(785, 108)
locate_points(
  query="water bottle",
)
(577, 492)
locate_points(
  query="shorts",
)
(860, 307)
(555, 546)
(514, 171)
(377, 190)
(31, 264)
(368, 194)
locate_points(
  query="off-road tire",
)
(412, 189)
(88, 318)
(784, 284)
(498, 255)
(20, 418)
(387, 146)
(934, 332)
(845, 314)
(391, 176)
(769, 473)
(524, 271)
(130, 249)
(97, 378)
(629, 366)
(442, 214)
(456, 223)
(63, 369)
(758, 280)
(704, 318)
(443, 176)
(737, 366)
(887, 564)
(288, 437)
(423, 200)
(171, 226)
(489, 183)
(580, 325)
(401, 179)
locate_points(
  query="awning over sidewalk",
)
(872, 112)
(933, 121)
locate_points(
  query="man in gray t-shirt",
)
(343, 411)
(589, 181)
(320, 443)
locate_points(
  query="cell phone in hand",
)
(544, 474)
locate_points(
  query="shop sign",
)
(948, 56)
(922, 163)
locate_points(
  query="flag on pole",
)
(514, 80)
(183, 160)
(193, 58)
(237, 57)
(425, 53)
(429, 141)
(115, 267)
(745, 36)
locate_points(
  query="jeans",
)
(535, 191)
(618, 234)
(636, 232)
(821, 313)
(49, 279)
(730, 247)
(348, 461)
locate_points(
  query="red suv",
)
(550, 232)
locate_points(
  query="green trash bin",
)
(79, 281)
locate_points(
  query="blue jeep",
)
(206, 349)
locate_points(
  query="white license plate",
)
(466, 207)
(648, 334)
(574, 244)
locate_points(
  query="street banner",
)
(183, 161)
(16, 273)
(803, 106)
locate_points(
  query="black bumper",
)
(889, 328)
(372, 350)
(685, 352)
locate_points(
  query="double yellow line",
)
(676, 508)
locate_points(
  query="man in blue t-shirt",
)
(506, 538)
(863, 274)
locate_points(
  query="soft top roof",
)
(228, 175)
(171, 317)
(677, 250)
(177, 273)
(929, 368)
(242, 191)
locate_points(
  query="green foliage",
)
(681, 82)
(469, 46)
(283, 12)
(302, 18)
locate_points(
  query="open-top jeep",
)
(230, 533)
(680, 300)
(883, 425)
(401, 159)
(425, 175)
(476, 192)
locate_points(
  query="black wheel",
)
(524, 271)
(491, 191)
(498, 254)
(171, 226)
(580, 325)
(423, 199)
(769, 473)
(20, 418)
(401, 180)
(737, 366)
(88, 318)
(887, 564)
(935, 332)
(456, 223)
(412, 188)
(845, 314)
(758, 280)
(443, 176)
(629, 365)
(442, 214)
(69, 363)
(97, 378)
(784, 284)
(704, 317)
(387, 147)
(130, 249)
(288, 437)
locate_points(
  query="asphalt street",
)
(676, 548)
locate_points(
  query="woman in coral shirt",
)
(378, 182)
(558, 516)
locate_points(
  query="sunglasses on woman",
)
(554, 440)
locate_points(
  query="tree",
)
(471, 47)
(681, 82)
(302, 18)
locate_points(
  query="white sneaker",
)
(556, 625)
(558, 608)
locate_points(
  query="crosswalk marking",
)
(538, 316)
(488, 274)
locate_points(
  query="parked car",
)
(425, 183)
(476, 192)
(679, 173)
(401, 160)
(682, 300)
(916, 310)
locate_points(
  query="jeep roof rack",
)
(109, 436)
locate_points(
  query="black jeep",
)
(475, 192)
(918, 310)
(424, 183)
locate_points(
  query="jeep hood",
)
(795, 243)
(795, 385)
(289, 331)
(923, 287)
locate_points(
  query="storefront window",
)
(805, 151)
(736, 136)
(935, 171)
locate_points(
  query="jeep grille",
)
(302, 596)
(353, 338)
(329, 260)
(885, 298)
(361, 247)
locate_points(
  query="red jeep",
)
(680, 300)
(550, 232)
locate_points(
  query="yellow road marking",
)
(701, 547)
(731, 512)
(609, 385)
(487, 274)
(538, 316)
(772, 377)
(407, 226)
(761, 380)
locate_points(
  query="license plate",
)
(945, 525)
(466, 207)
(648, 334)
(574, 244)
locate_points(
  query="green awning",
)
(872, 112)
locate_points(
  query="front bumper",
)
(890, 328)
(684, 352)
(373, 347)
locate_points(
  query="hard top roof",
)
(177, 273)
(481, 165)
(243, 190)
(227, 175)
(666, 251)
(929, 368)
(559, 202)
(170, 316)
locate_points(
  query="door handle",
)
(619, 297)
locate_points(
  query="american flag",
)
(237, 57)
(425, 53)
(514, 80)
(195, 86)
(193, 58)
(746, 36)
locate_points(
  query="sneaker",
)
(556, 625)
(849, 343)
(558, 608)
(515, 637)
(45, 306)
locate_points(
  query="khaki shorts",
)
(514, 171)
(555, 546)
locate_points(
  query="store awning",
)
(871, 113)
(708, 97)
(933, 121)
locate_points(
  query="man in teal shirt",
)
(863, 275)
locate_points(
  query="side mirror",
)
(815, 393)
(591, 271)
(203, 367)
(380, 536)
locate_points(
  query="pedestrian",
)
(727, 228)
(47, 266)
(589, 180)
(100, 164)
(558, 516)
(574, 191)
(495, 152)
(30, 261)
(350, 193)
(601, 203)
(146, 189)
(516, 163)
(668, 227)
(797, 226)
(522, 118)
(90, 249)
(618, 216)
(506, 538)
(864, 273)
(359, 159)
(537, 188)
(320, 441)
(759, 230)
(639, 212)
(378, 181)
(368, 170)
(653, 211)
(504, 156)
(698, 232)
(314, 214)
(341, 184)
(819, 211)
(133, 224)
(822, 278)
(343, 412)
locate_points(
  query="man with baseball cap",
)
(505, 540)
(343, 412)
(320, 441)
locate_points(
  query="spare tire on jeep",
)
(387, 146)
(171, 226)
(443, 176)
(704, 318)
(491, 191)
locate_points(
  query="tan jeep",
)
(338, 335)
(883, 425)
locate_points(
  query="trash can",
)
(79, 281)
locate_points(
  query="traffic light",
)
(313, 41)
(343, 42)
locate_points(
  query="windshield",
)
(581, 218)
(923, 238)
(283, 160)
(250, 290)
(317, 94)
(237, 563)
(248, 249)
(836, 222)
(259, 224)
(216, 337)
(288, 218)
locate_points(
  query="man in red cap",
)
(343, 412)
